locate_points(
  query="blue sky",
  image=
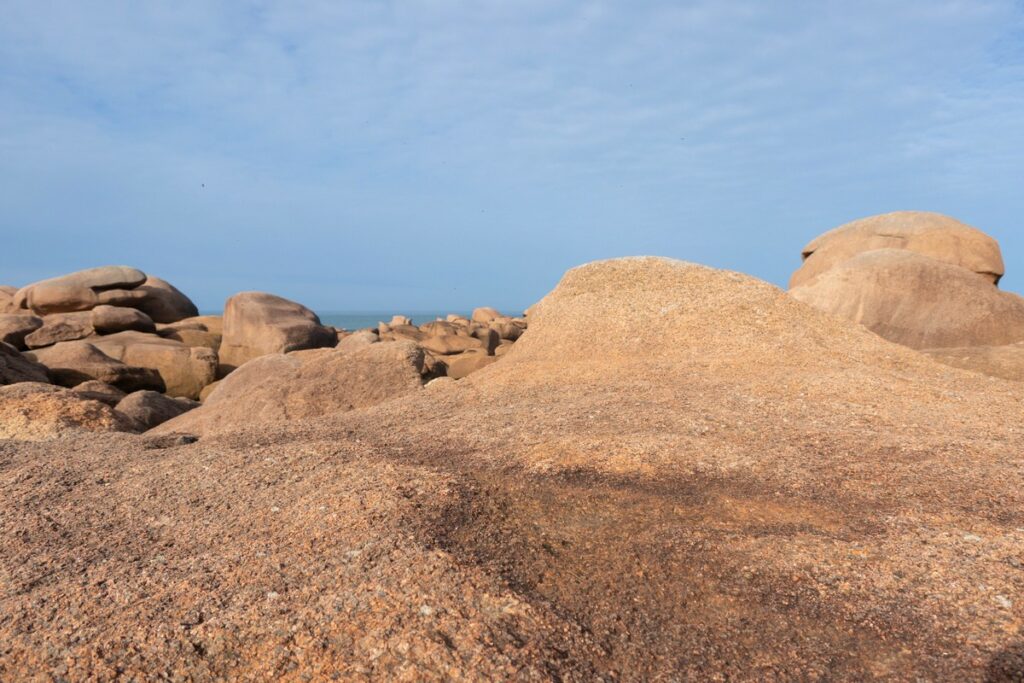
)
(430, 154)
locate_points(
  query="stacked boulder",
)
(922, 280)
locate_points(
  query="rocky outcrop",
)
(916, 300)
(149, 408)
(72, 363)
(100, 391)
(15, 327)
(185, 370)
(280, 387)
(61, 327)
(37, 412)
(257, 324)
(14, 367)
(81, 291)
(930, 234)
(114, 319)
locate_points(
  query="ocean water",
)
(348, 320)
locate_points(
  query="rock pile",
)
(922, 280)
(121, 331)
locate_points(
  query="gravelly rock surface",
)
(727, 485)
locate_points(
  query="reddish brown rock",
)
(15, 367)
(61, 327)
(112, 319)
(72, 363)
(281, 387)
(930, 234)
(15, 327)
(79, 291)
(99, 391)
(916, 300)
(256, 324)
(163, 302)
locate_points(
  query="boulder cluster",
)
(922, 280)
(138, 346)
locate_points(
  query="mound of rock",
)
(31, 411)
(919, 279)
(257, 324)
(280, 387)
(930, 234)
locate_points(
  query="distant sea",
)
(360, 319)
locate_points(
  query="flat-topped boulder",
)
(79, 291)
(72, 363)
(185, 370)
(15, 367)
(916, 300)
(280, 387)
(930, 234)
(258, 323)
(39, 412)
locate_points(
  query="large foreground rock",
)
(185, 370)
(930, 234)
(14, 367)
(257, 323)
(280, 387)
(916, 300)
(678, 473)
(72, 363)
(81, 291)
(39, 412)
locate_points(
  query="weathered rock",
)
(436, 328)
(508, 329)
(400, 320)
(79, 291)
(61, 327)
(1005, 361)
(446, 344)
(465, 364)
(14, 327)
(15, 368)
(207, 390)
(407, 332)
(930, 234)
(184, 370)
(916, 300)
(150, 409)
(489, 337)
(163, 302)
(71, 363)
(358, 339)
(112, 319)
(7, 293)
(99, 391)
(279, 387)
(39, 412)
(257, 323)
(485, 315)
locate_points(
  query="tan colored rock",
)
(489, 337)
(485, 315)
(14, 327)
(40, 412)
(400, 320)
(79, 291)
(508, 329)
(99, 391)
(61, 327)
(15, 367)
(185, 370)
(930, 234)
(207, 390)
(916, 300)
(7, 293)
(436, 328)
(149, 409)
(358, 339)
(1006, 361)
(71, 363)
(281, 387)
(257, 323)
(112, 319)
(201, 331)
(465, 364)
(447, 344)
(407, 332)
(163, 302)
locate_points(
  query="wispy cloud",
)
(464, 152)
